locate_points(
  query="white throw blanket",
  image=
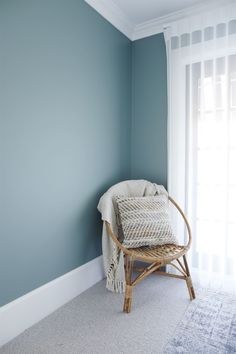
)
(113, 258)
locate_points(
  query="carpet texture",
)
(208, 326)
(93, 323)
(162, 320)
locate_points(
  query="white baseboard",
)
(27, 310)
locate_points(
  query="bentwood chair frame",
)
(158, 256)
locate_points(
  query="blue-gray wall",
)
(66, 132)
(65, 108)
(149, 110)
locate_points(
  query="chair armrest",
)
(115, 239)
(185, 220)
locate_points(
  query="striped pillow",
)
(145, 221)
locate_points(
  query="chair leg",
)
(129, 287)
(189, 280)
(128, 299)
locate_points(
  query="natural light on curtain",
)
(201, 54)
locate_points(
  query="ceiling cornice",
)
(112, 13)
(158, 24)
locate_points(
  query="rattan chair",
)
(158, 256)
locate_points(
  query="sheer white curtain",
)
(201, 54)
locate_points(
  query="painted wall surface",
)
(149, 116)
(65, 108)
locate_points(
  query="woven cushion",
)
(145, 221)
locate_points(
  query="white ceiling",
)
(139, 11)
(142, 18)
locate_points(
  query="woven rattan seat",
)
(157, 253)
(158, 256)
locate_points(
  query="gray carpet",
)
(94, 323)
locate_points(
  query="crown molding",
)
(158, 24)
(113, 14)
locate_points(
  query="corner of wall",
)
(132, 87)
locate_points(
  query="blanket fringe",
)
(115, 286)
